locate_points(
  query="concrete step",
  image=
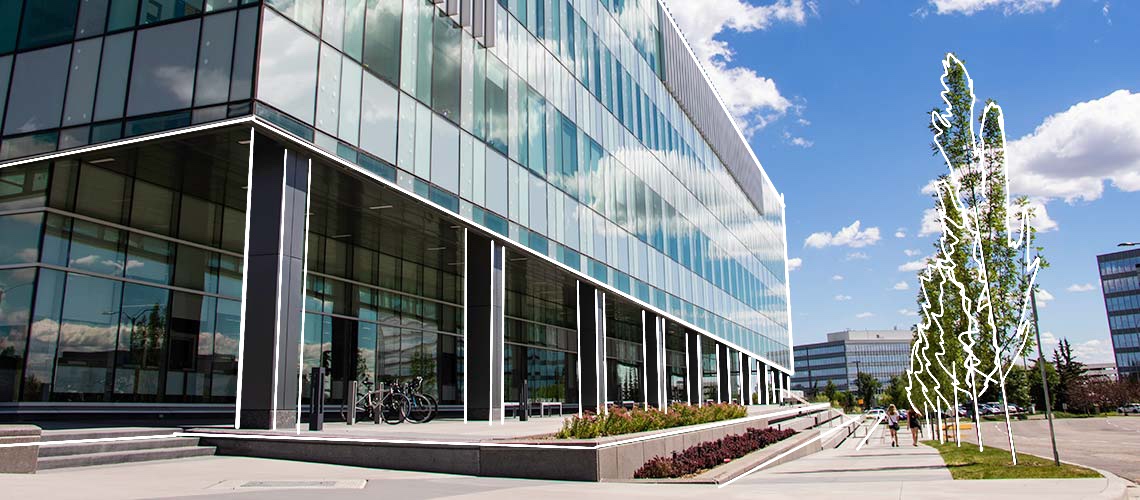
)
(121, 457)
(108, 432)
(110, 446)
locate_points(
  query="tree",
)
(1035, 389)
(1069, 372)
(866, 388)
(831, 391)
(895, 393)
(1017, 385)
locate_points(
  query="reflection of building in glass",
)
(195, 195)
(1120, 283)
(881, 353)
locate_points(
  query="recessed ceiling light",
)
(517, 259)
(339, 236)
(244, 141)
(102, 160)
(436, 249)
(379, 207)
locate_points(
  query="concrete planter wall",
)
(609, 458)
(19, 459)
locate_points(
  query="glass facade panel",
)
(35, 99)
(215, 58)
(114, 68)
(81, 82)
(288, 68)
(378, 118)
(162, 74)
(47, 23)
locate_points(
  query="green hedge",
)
(622, 421)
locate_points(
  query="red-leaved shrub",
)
(711, 454)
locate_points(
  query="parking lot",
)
(1111, 443)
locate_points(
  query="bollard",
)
(524, 402)
(317, 399)
(350, 400)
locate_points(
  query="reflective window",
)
(378, 110)
(162, 76)
(92, 17)
(349, 127)
(445, 69)
(382, 38)
(307, 13)
(20, 243)
(354, 28)
(143, 325)
(497, 195)
(495, 99)
(87, 339)
(332, 29)
(328, 90)
(5, 77)
(154, 11)
(35, 99)
(9, 23)
(46, 23)
(113, 71)
(81, 82)
(288, 68)
(122, 14)
(244, 47)
(215, 56)
(445, 154)
(149, 259)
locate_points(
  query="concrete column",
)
(484, 303)
(695, 372)
(591, 350)
(765, 394)
(273, 286)
(653, 352)
(723, 373)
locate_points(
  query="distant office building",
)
(1106, 371)
(1120, 282)
(882, 353)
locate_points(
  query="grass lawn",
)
(994, 463)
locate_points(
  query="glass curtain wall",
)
(625, 352)
(709, 382)
(561, 137)
(675, 360)
(120, 277)
(541, 332)
(384, 290)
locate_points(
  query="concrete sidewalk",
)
(881, 471)
(877, 471)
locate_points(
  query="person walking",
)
(914, 422)
(893, 425)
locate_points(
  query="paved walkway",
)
(877, 471)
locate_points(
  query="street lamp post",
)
(1044, 381)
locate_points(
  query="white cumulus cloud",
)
(837, 277)
(902, 285)
(1008, 7)
(858, 256)
(1072, 154)
(1043, 297)
(900, 232)
(907, 312)
(911, 252)
(1078, 288)
(752, 99)
(842, 298)
(864, 315)
(913, 266)
(850, 236)
(795, 263)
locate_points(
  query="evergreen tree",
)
(1069, 372)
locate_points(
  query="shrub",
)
(622, 421)
(711, 454)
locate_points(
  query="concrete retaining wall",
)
(19, 459)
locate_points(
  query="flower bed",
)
(622, 421)
(711, 454)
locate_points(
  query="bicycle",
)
(394, 406)
(422, 408)
(365, 403)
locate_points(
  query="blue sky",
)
(836, 95)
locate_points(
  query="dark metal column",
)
(591, 346)
(723, 373)
(484, 303)
(745, 379)
(272, 315)
(765, 394)
(693, 344)
(652, 362)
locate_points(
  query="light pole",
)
(1044, 381)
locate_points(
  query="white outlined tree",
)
(975, 289)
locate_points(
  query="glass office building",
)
(1120, 283)
(881, 353)
(202, 200)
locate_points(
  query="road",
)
(1111, 443)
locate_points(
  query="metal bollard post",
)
(350, 400)
(317, 399)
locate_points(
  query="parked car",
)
(902, 414)
(1129, 408)
(875, 412)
